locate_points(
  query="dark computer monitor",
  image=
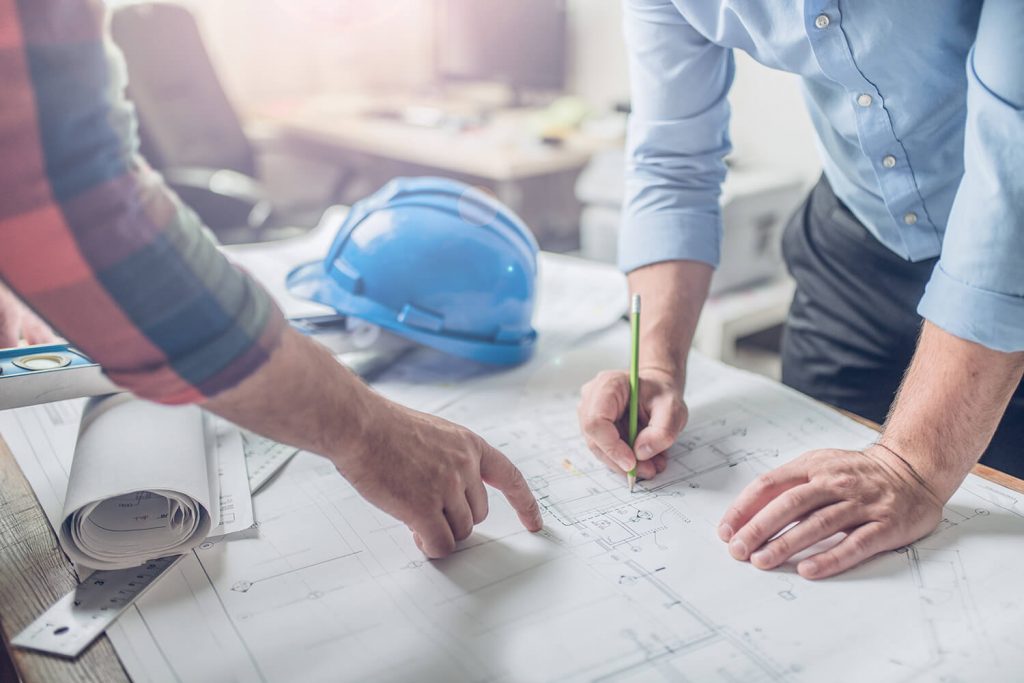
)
(522, 43)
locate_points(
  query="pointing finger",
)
(499, 472)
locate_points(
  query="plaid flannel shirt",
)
(92, 239)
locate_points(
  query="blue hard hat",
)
(436, 261)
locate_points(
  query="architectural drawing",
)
(617, 587)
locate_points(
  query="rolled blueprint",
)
(142, 484)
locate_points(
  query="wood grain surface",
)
(33, 574)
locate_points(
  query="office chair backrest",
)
(185, 118)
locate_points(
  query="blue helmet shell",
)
(438, 262)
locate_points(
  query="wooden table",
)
(34, 573)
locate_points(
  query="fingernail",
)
(808, 568)
(645, 452)
(738, 549)
(725, 532)
(759, 558)
(626, 463)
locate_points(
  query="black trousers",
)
(853, 324)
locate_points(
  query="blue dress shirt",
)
(918, 106)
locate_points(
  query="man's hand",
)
(873, 496)
(18, 323)
(603, 413)
(430, 474)
(892, 493)
(673, 293)
(427, 472)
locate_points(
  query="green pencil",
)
(634, 382)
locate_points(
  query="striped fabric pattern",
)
(92, 239)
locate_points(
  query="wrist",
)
(938, 472)
(354, 430)
(665, 357)
(669, 374)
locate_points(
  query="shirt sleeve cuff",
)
(669, 237)
(992, 319)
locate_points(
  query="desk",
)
(535, 179)
(34, 573)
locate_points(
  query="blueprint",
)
(127, 483)
(617, 587)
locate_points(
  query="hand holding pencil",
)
(629, 419)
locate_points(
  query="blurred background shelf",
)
(263, 113)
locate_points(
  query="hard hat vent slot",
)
(419, 318)
(348, 278)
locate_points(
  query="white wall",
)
(597, 63)
(279, 48)
(770, 126)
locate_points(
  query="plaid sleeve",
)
(92, 239)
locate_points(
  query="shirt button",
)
(910, 218)
(821, 21)
(864, 100)
(888, 161)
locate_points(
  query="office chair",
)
(190, 132)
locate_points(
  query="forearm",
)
(303, 397)
(949, 406)
(673, 294)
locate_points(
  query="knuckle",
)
(517, 484)
(680, 413)
(732, 515)
(844, 482)
(764, 481)
(858, 545)
(795, 501)
(827, 562)
(780, 547)
(824, 523)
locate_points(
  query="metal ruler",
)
(76, 620)
(72, 623)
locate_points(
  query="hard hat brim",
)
(312, 281)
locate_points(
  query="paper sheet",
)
(270, 262)
(198, 464)
(618, 587)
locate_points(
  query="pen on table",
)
(634, 381)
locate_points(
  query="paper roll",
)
(141, 484)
